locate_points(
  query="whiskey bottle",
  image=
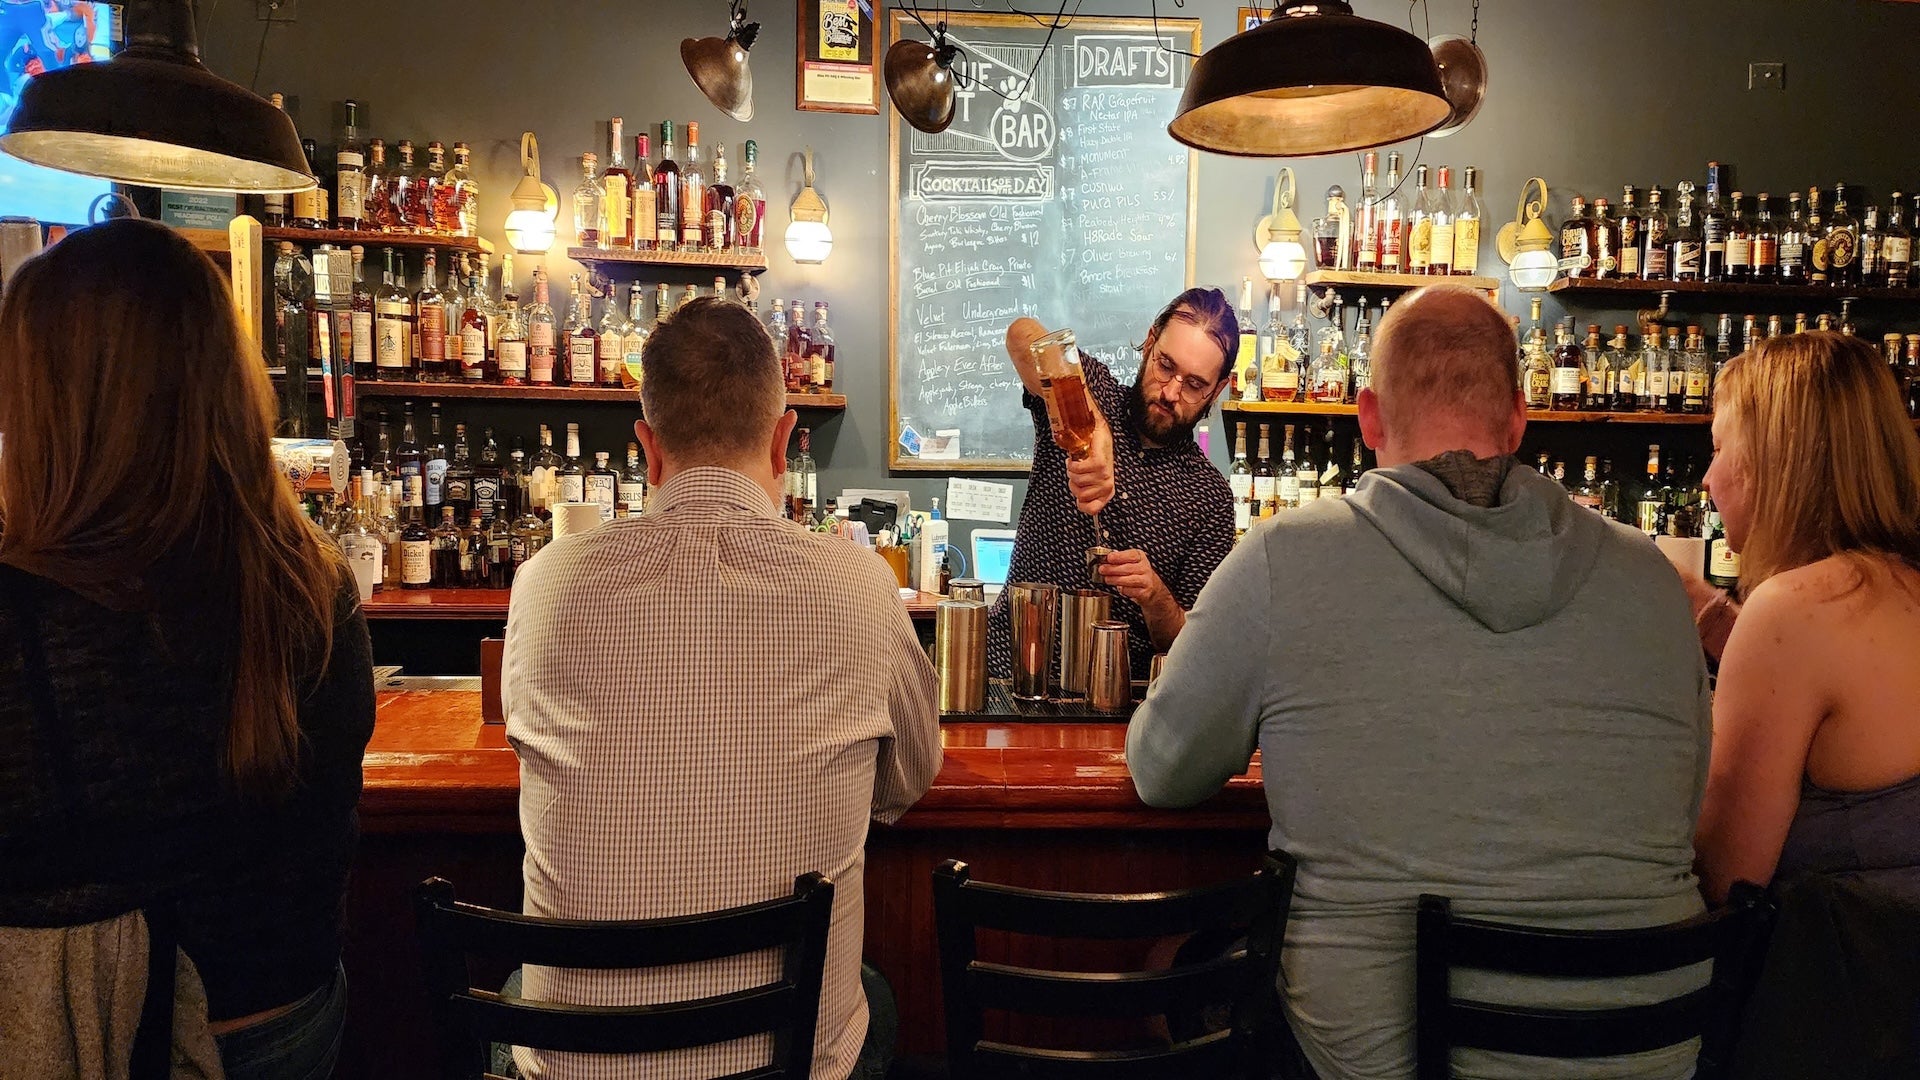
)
(1587, 494)
(749, 203)
(1687, 247)
(1739, 242)
(1466, 227)
(1897, 246)
(616, 191)
(1713, 229)
(1676, 373)
(570, 477)
(1440, 255)
(1723, 563)
(473, 552)
(1539, 370)
(1393, 221)
(379, 212)
(1873, 252)
(603, 486)
(632, 491)
(807, 476)
(412, 202)
(310, 206)
(1576, 241)
(1265, 491)
(1600, 375)
(633, 337)
(349, 173)
(392, 325)
(717, 229)
(1699, 373)
(463, 191)
(1420, 225)
(1240, 483)
(1567, 375)
(511, 352)
(1308, 472)
(1843, 243)
(1766, 242)
(610, 346)
(645, 213)
(445, 541)
(1367, 220)
(487, 476)
(1628, 232)
(1360, 354)
(1795, 253)
(693, 193)
(1606, 241)
(430, 324)
(416, 540)
(476, 363)
(583, 341)
(458, 478)
(433, 461)
(1659, 369)
(587, 204)
(666, 193)
(1356, 467)
(1655, 230)
(540, 333)
(1626, 389)
(1651, 509)
(820, 350)
(360, 318)
(1288, 495)
(1819, 257)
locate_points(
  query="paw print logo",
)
(1014, 92)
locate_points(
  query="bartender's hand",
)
(1133, 577)
(1090, 478)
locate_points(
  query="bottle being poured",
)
(1070, 411)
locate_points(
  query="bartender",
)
(1164, 508)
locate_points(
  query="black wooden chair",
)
(1732, 938)
(469, 1019)
(1244, 978)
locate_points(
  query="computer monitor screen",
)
(992, 555)
(37, 36)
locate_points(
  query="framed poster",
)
(1251, 17)
(838, 66)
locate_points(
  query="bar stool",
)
(469, 1019)
(1732, 938)
(1243, 979)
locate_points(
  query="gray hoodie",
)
(1503, 705)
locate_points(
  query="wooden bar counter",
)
(1048, 805)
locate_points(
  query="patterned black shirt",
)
(1169, 502)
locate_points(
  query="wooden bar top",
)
(432, 765)
(491, 604)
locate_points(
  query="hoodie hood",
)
(1510, 565)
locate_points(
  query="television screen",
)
(36, 36)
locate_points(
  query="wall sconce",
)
(1282, 256)
(808, 238)
(530, 224)
(1525, 242)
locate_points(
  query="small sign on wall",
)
(838, 64)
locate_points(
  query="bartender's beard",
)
(1158, 423)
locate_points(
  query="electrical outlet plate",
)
(280, 11)
(1766, 76)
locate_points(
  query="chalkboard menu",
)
(1062, 198)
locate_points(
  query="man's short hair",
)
(712, 388)
(1446, 351)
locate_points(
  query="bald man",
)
(1503, 702)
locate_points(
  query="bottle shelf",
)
(491, 604)
(614, 395)
(1307, 408)
(694, 260)
(371, 240)
(1359, 280)
(1753, 290)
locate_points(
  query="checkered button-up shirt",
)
(708, 701)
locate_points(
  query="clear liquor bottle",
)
(611, 346)
(349, 173)
(541, 358)
(603, 486)
(1687, 249)
(1629, 232)
(511, 353)
(646, 208)
(464, 191)
(1587, 494)
(393, 323)
(717, 222)
(1739, 241)
(633, 483)
(693, 192)
(616, 191)
(1307, 471)
(1466, 227)
(1245, 384)
(633, 338)
(1367, 219)
(667, 193)
(1360, 354)
(1699, 378)
(361, 538)
(583, 341)
(749, 203)
(1676, 373)
(430, 324)
(806, 476)
(1873, 250)
(1794, 244)
(1393, 221)
(1288, 495)
(1619, 364)
(1656, 228)
(1266, 490)
(434, 462)
(1897, 247)
(1420, 225)
(1240, 483)
(412, 202)
(586, 204)
(360, 318)
(1440, 249)
(442, 214)
(1713, 229)
(1766, 241)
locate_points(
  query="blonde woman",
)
(186, 686)
(1816, 718)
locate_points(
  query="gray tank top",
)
(1872, 834)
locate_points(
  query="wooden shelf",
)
(1305, 408)
(371, 240)
(1358, 280)
(686, 260)
(582, 394)
(1751, 290)
(491, 604)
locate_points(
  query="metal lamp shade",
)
(719, 68)
(920, 85)
(155, 115)
(1308, 84)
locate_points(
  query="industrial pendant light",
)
(155, 115)
(920, 81)
(719, 65)
(1314, 79)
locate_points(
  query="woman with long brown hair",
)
(1816, 717)
(185, 676)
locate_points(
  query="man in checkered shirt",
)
(708, 701)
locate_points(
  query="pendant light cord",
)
(1060, 20)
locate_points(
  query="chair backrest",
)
(1731, 938)
(1244, 978)
(469, 1018)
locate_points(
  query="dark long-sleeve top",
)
(126, 803)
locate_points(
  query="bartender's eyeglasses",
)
(1193, 389)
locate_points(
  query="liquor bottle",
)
(274, 211)
(499, 541)
(472, 559)
(749, 204)
(1722, 352)
(540, 333)
(1393, 221)
(1605, 232)
(360, 318)
(1288, 478)
(1601, 377)
(633, 338)
(1651, 509)
(1627, 231)
(1818, 257)
(542, 481)
(1360, 354)
(1739, 242)
(440, 216)
(806, 477)
(571, 478)
(487, 476)
(1843, 243)
(583, 341)
(349, 173)
(820, 352)
(1266, 356)
(464, 191)
(1566, 389)
(1795, 245)
(1687, 247)
(645, 211)
(693, 193)
(691, 294)
(1676, 373)
(666, 193)
(1655, 235)
(586, 204)
(1240, 483)
(1420, 225)
(1699, 377)
(508, 294)
(632, 491)
(1722, 568)
(1293, 384)
(411, 204)
(511, 353)
(797, 334)
(1246, 359)
(416, 541)
(1307, 473)
(1896, 246)
(1913, 375)
(360, 537)
(1588, 493)
(455, 294)
(1766, 242)
(603, 486)
(616, 191)
(310, 206)
(1873, 250)
(1366, 257)
(433, 461)
(378, 211)
(1538, 381)
(1266, 492)
(717, 224)
(610, 347)
(444, 552)
(1466, 227)
(1576, 240)
(530, 533)
(1356, 466)
(1279, 371)
(1440, 255)
(458, 479)
(1750, 334)
(1620, 363)
(430, 324)
(476, 363)
(1713, 229)
(392, 324)
(1773, 326)
(1327, 379)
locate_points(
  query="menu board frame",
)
(1177, 29)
